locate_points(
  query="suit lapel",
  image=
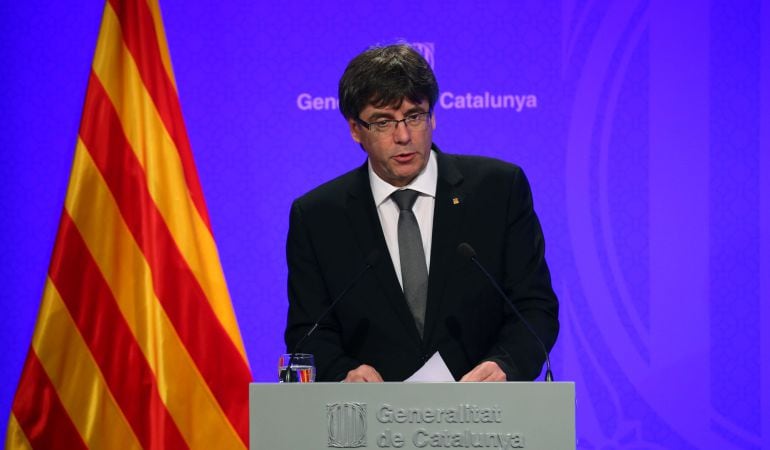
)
(448, 216)
(366, 227)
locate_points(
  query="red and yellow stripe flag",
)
(136, 343)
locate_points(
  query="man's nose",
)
(401, 134)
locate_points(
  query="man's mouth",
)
(405, 157)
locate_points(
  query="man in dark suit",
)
(413, 205)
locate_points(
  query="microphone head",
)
(372, 257)
(466, 251)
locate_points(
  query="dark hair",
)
(384, 76)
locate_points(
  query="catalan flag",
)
(136, 343)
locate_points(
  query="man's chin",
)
(404, 178)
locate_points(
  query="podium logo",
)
(347, 424)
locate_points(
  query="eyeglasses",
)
(415, 122)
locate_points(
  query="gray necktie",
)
(414, 271)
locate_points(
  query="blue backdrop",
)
(643, 125)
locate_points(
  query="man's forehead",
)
(404, 104)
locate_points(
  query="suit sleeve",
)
(527, 282)
(308, 298)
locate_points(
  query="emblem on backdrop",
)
(427, 50)
(493, 98)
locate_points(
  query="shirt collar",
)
(424, 182)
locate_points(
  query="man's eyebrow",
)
(414, 110)
(386, 115)
(379, 115)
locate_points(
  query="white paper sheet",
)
(435, 369)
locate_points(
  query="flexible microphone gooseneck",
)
(467, 251)
(370, 261)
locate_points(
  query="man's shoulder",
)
(334, 190)
(479, 166)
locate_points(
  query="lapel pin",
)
(455, 201)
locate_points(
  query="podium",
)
(317, 416)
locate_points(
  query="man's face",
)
(397, 156)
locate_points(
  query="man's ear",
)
(355, 130)
(433, 120)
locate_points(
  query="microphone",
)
(465, 250)
(369, 262)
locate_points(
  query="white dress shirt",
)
(425, 184)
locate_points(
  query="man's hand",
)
(363, 374)
(486, 371)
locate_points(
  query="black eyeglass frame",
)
(384, 126)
